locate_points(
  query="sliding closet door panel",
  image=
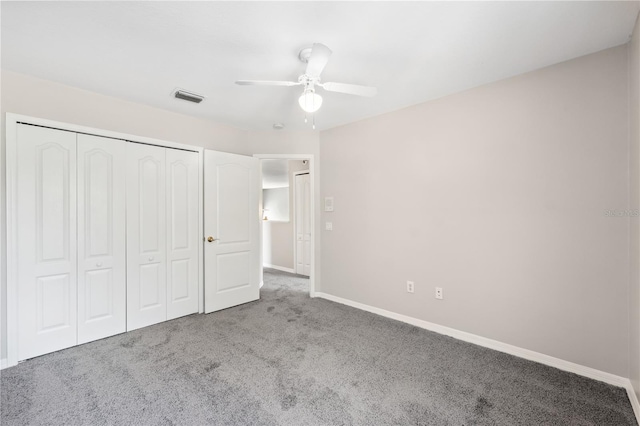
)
(101, 238)
(146, 236)
(182, 233)
(46, 228)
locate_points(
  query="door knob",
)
(210, 239)
(99, 264)
(150, 258)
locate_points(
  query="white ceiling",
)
(275, 174)
(411, 51)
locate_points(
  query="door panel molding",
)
(302, 230)
(46, 298)
(101, 238)
(182, 231)
(232, 219)
(146, 236)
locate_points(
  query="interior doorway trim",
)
(312, 173)
(12, 122)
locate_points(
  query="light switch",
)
(328, 204)
(328, 226)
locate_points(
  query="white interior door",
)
(231, 225)
(146, 236)
(46, 239)
(101, 238)
(182, 233)
(303, 224)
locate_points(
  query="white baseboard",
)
(633, 397)
(558, 363)
(280, 268)
(3, 363)
(561, 364)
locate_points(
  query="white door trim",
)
(12, 120)
(12, 244)
(295, 205)
(312, 174)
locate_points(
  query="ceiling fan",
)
(316, 58)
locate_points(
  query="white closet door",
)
(182, 233)
(303, 224)
(101, 238)
(46, 221)
(146, 236)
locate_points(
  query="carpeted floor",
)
(291, 360)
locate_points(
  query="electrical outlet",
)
(409, 286)
(439, 293)
(328, 226)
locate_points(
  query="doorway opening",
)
(288, 225)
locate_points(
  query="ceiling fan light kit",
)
(316, 58)
(310, 101)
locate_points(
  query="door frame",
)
(312, 174)
(295, 204)
(12, 121)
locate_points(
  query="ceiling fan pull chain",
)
(314, 122)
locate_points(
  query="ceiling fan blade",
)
(267, 83)
(351, 89)
(318, 60)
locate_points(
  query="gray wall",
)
(634, 197)
(277, 244)
(27, 95)
(498, 195)
(276, 201)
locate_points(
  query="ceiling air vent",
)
(188, 96)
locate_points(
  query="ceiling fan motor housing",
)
(308, 82)
(305, 54)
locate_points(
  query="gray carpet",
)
(291, 360)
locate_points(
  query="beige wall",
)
(277, 244)
(277, 240)
(31, 96)
(284, 142)
(498, 195)
(634, 198)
